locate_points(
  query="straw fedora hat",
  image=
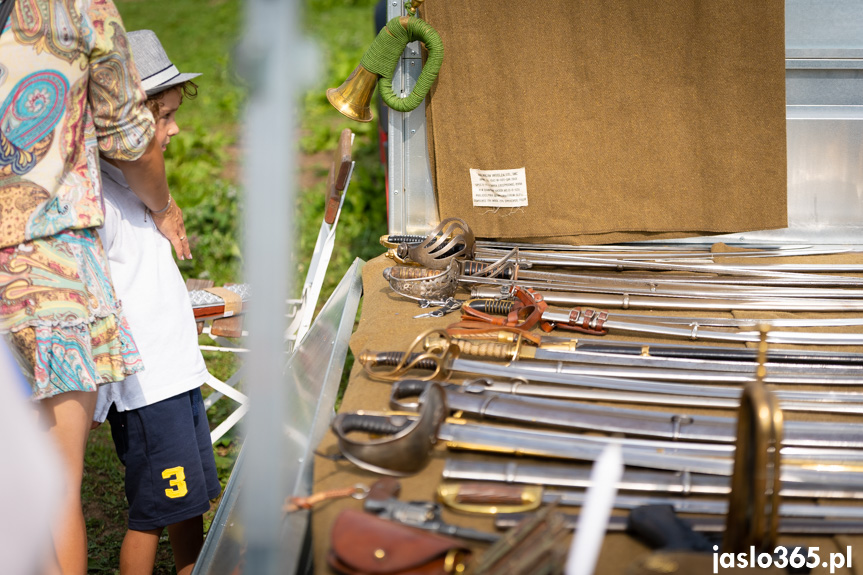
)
(157, 71)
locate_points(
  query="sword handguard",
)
(403, 453)
(451, 239)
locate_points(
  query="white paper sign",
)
(499, 188)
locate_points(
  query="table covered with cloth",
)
(387, 323)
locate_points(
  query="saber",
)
(812, 374)
(627, 301)
(586, 375)
(688, 287)
(569, 476)
(494, 498)
(663, 251)
(620, 264)
(403, 446)
(812, 402)
(598, 323)
(654, 349)
(441, 361)
(574, 415)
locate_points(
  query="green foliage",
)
(343, 31)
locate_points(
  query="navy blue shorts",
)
(170, 469)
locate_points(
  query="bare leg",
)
(187, 538)
(138, 552)
(67, 417)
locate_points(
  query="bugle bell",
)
(352, 98)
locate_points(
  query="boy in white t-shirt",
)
(158, 420)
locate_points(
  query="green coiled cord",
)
(384, 53)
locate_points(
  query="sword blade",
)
(693, 370)
(571, 476)
(668, 456)
(677, 395)
(774, 337)
(658, 424)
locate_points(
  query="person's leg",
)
(138, 552)
(187, 538)
(67, 417)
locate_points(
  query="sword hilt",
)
(408, 388)
(491, 349)
(410, 272)
(404, 239)
(491, 306)
(393, 358)
(472, 268)
(376, 424)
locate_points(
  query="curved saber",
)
(407, 446)
(631, 422)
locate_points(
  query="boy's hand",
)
(170, 223)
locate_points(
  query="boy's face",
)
(166, 125)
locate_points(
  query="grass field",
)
(204, 171)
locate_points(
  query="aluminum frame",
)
(312, 376)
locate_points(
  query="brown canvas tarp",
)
(632, 119)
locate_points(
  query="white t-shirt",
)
(155, 302)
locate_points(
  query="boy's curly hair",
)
(188, 89)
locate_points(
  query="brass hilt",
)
(753, 507)
(489, 498)
(492, 349)
(391, 366)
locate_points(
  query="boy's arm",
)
(146, 177)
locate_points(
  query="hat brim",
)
(175, 81)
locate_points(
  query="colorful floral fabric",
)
(65, 324)
(68, 90)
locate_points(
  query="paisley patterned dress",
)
(69, 91)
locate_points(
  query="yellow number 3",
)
(178, 483)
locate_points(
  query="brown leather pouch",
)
(363, 544)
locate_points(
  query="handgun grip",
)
(383, 489)
(659, 527)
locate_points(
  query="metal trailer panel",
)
(312, 376)
(824, 109)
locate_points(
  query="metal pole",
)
(275, 63)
